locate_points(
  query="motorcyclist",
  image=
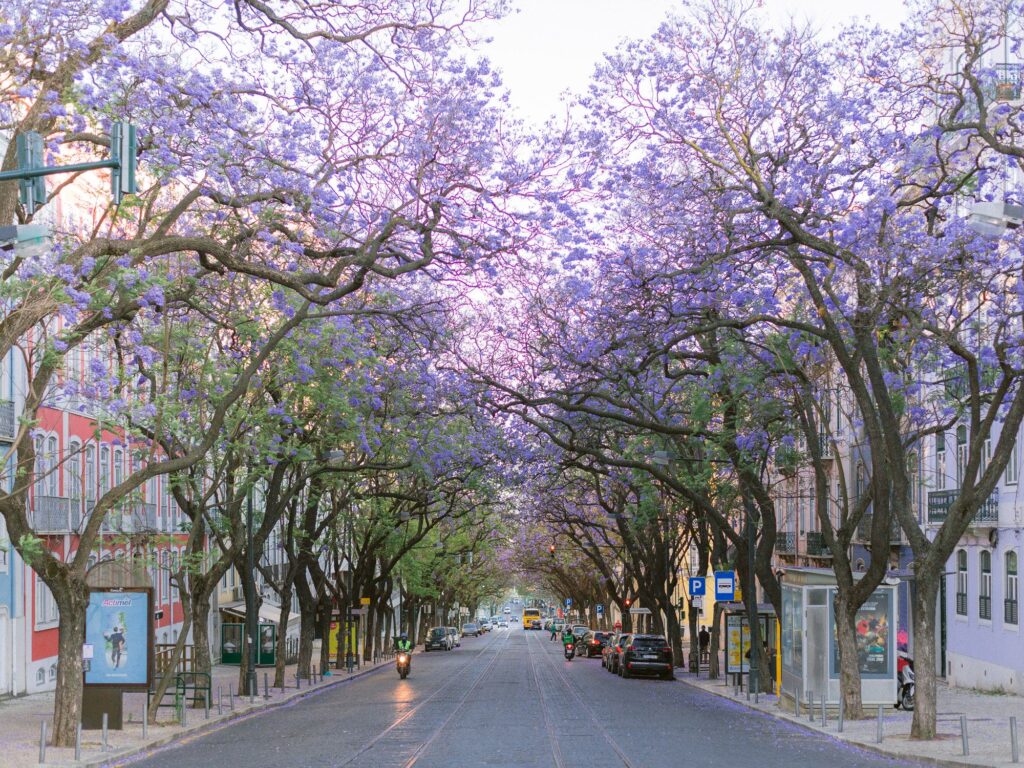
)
(567, 636)
(404, 644)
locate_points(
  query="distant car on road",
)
(471, 629)
(578, 631)
(611, 652)
(503, 624)
(646, 655)
(438, 639)
(508, 610)
(593, 643)
(485, 625)
(454, 632)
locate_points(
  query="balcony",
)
(864, 529)
(139, 517)
(8, 424)
(785, 543)
(54, 515)
(816, 546)
(825, 446)
(939, 503)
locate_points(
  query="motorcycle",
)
(905, 682)
(403, 663)
(570, 651)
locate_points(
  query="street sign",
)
(698, 601)
(635, 610)
(364, 601)
(725, 586)
(698, 586)
(568, 602)
(358, 611)
(600, 609)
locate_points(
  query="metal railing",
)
(8, 424)
(785, 543)
(816, 546)
(53, 514)
(939, 503)
(984, 606)
(864, 529)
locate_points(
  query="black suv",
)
(646, 655)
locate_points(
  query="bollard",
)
(842, 712)
(206, 703)
(314, 674)
(78, 743)
(231, 697)
(824, 713)
(145, 717)
(184, 713)
(42, 742)
(963, 734)
(266, 685)
(106, 746)
(1014, 750)
(810, 707)
(220, 700)
(879, 736)
(297, 681)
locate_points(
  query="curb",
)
(867, 747)
(129, 755)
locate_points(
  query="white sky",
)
(551, 46)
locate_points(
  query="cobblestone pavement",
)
(509, 699)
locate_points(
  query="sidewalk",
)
(21, 718)
(988, 724)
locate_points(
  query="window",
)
(74, 479)
(1012, 466)
(46, 606)
(5, 546)
(90, 472)
(985, 589)
(40, 676)
(961, 582)
(118, 467)
(40, 464)
(52, 461)
(961, 454)
(940, 461)
(1010, 601)
(104, 469)
(812, 510)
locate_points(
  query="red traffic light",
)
(551, 549)
(627, 602)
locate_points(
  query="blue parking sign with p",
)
(568, 602)
(698, 586)
(600, 609)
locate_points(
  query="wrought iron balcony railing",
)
(785, 543)
(8, 424)
(939, 503)
(816, 546)
(54, 514)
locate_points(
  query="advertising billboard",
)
(118, 633)
(873, 629)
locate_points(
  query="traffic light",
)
(551, 550)
(123, 150)
(627, 602)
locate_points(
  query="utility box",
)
(810, 650)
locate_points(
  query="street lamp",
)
(251, 618)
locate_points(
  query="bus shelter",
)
(737, 637)
(810, 651)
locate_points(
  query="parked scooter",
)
(904, 681)
(403, 663)
(570, 651)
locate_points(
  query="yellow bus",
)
(531, 618)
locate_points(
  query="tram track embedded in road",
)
(556, 750)
(574, 690)
(455, 677)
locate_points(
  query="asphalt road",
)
(509, 699)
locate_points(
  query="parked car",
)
(612, 651)
(646, 655)
(471, 629)
(438, 639)
(456, 639)
(578, 631)
(593, 643)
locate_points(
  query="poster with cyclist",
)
(117, 626)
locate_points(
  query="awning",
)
(269, 614)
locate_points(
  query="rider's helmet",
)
(404, 636)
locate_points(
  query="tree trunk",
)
(323, 615)
(691, 618)
(308, 607)
(371, 627)
(201, 629)
(849, 663)
(925, 705)
(72, 598)
(716, 632)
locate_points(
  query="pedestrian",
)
(704, 639)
